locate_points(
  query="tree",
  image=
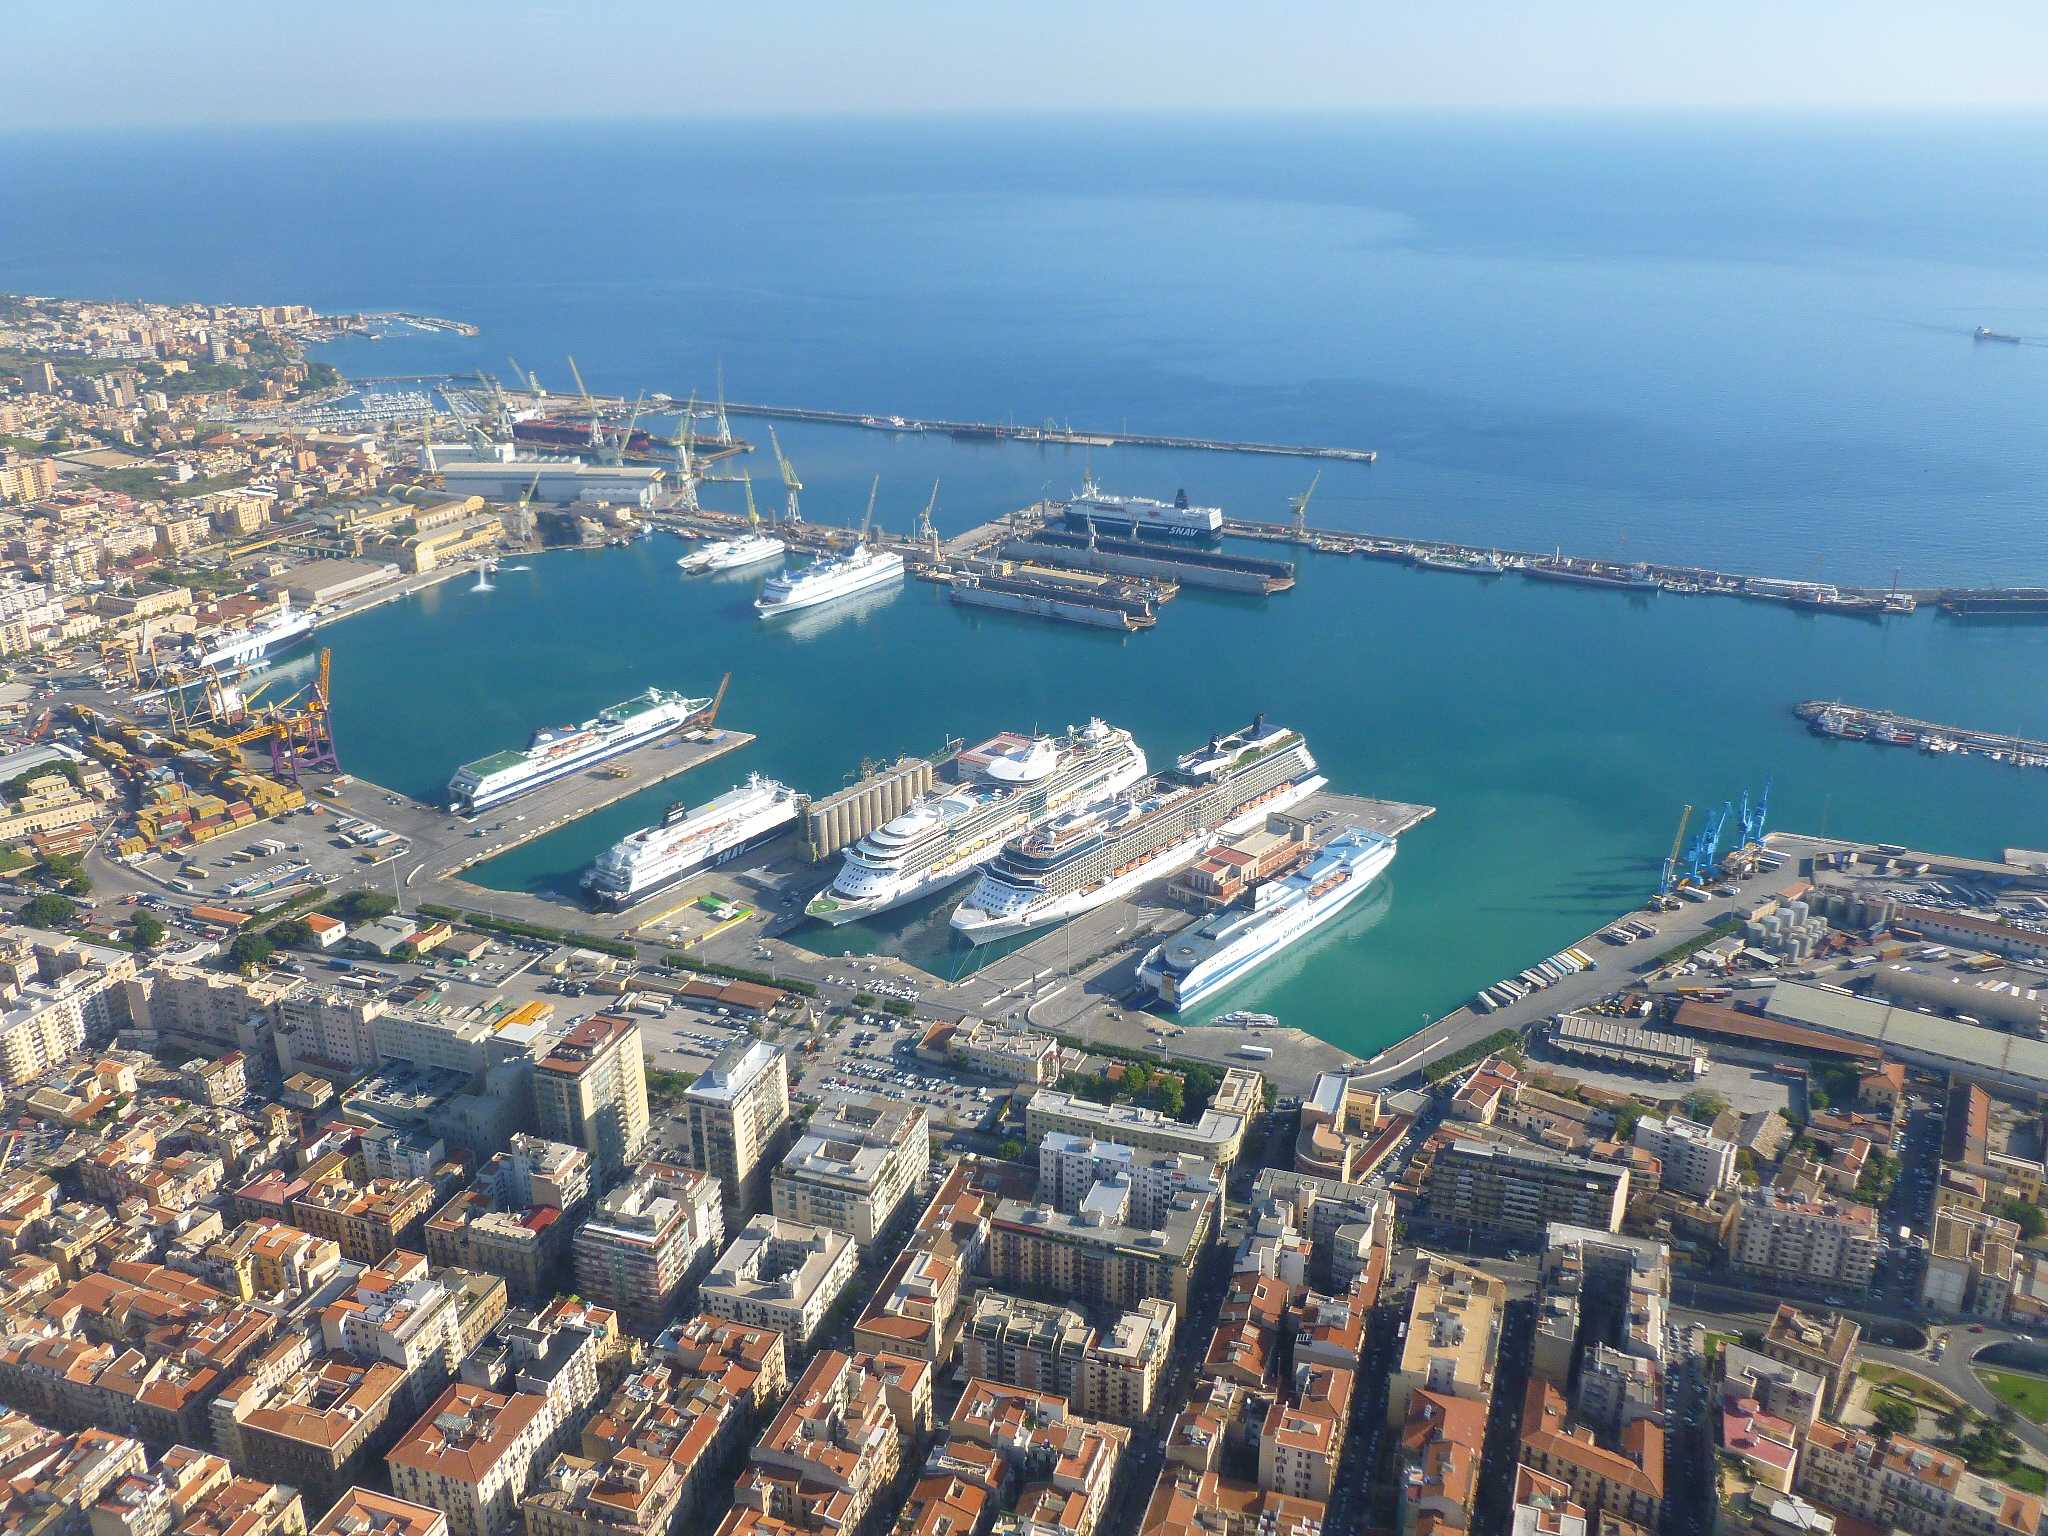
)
(1198, 1087)
(1167, 1097)
(2029, 1218)
(49, 910)
(363, 906)
(1705, 1105)
(1010, 1151)
(1895, 1417)
(146, 930)
(290, 933)
(250, 949)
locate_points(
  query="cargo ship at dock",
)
(1227, 946)
(1006, 785)
(685, 841)
(555, 752)
(1099, 851)
(1634, 578)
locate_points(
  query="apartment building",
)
(1188, 1501)
(1443, 1440)
(914, 1309)
(516, 1219)
(1779, 1235)
(48, 1477)
(237, 1012)
(993, 1050)
(645, 1240)
(1899, 1483)
(1065, 1462)
(1452, 1341)
(320, 1425)
(833, 1449)
(859, 1158)
(752, 1364)
(1096, 1254)
(368, 1220)
(1215, 1138)
(1302, 1438)
(1069, 1168)
(1120, 1374)
(1780, 1390)
(1695, 1161)
(1522, 1189)
(1824, 1345)
(471, 1457)
(738, 1112)
(422, 1321)
(365, 1512)
(778, 1274)
(1052, 1349)
(590, 1091)
(1972, 1265)
(1627, 1484)
(328, 1031)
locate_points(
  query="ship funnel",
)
(1180, 499)
(1259, 724)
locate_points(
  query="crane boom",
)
(1300, 504)
(795, 513)
(753, 517)
(717, 699)
(1671, 859)
(869, 515)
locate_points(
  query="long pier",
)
(1850, 723)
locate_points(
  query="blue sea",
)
(1744, 343)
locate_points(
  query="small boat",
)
(733, 554)
(1468, 562)
(1985, 333)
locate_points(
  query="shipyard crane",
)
(753, 517)
(794, 515)
(724, 428)
(1617, 546)
(1753, 826)
(530, 380)
(926, 533)
(1670, 877)
(1699, 858)
(615, 451)
(711, 715)
(1300, 506)
(868, 516)
(686, 474)
(590, 405)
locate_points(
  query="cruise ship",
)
(655, 858)
(1097, 852)
(240, 647)
(826, 578)
(1144, 517)
(560, 750)
(1004, 786)
(1226, 946)
(733, 554)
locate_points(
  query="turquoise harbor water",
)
(1744, 343)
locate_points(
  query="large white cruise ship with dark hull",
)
(1097, 852)
(556, 751)
(1003, 786)
(1141, 517)
(651, 860)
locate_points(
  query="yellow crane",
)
(794, 514)
(1671, 860)
(711, 715)
(1300, 506)
(753, 517)
(590, 405)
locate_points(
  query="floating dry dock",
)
(1157, 562)
(1052, 600)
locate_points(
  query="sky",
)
(110, 64)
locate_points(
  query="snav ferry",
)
(1141, 515)
(685, 841)
(1100, 851)
(827, 578)
(1009, 783)
(557, 751)
(1226, 946)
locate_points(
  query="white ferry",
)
(686, 841)
(239, 647)
(733, 554)
(826, 578)
(1226, 946)
(1098, 852)
(558, 751)
(1007, 784)
(1141, 516)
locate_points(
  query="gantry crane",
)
(300, 739)
(794, 516)
(724, 427)
(926, 533)
(686, 473)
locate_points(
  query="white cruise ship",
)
(1098, 852)
(557, 751)
(1226, 946)
(1007, 784)
(239, 647)
(733, 554)
(826, 578)
(654, 858)
(1141, 516)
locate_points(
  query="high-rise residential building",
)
(1216, 1137)
(515, 1220)
(1898, 1483)
(1821, 1344)
(1098, 1253)
(859, 1158)
(1522, 1189)
(1070, 1166)
(471, 1457)
(1971, 1264)
(1453, 1338)
(778, 1274)
(1627, 1483)
(644, 1240)
(1696, 1161)
(1778, 1235)
(737, 1111)
(331, 1027)
(590, 1091)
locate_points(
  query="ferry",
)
(1226, 946)
(1000, 788)
(1095, 853)
(555, 752)
(685, 841)
(240, 647)
(826, 578)
(1144, 517)
(733, 554)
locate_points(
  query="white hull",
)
(494, 781)
(779, 598)
(660, 867)
(985, 928)
(848, 909)
(733, 555)
(257, 642)
(1235, 961)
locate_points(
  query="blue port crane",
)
(1699, 858)
(1753, 826)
